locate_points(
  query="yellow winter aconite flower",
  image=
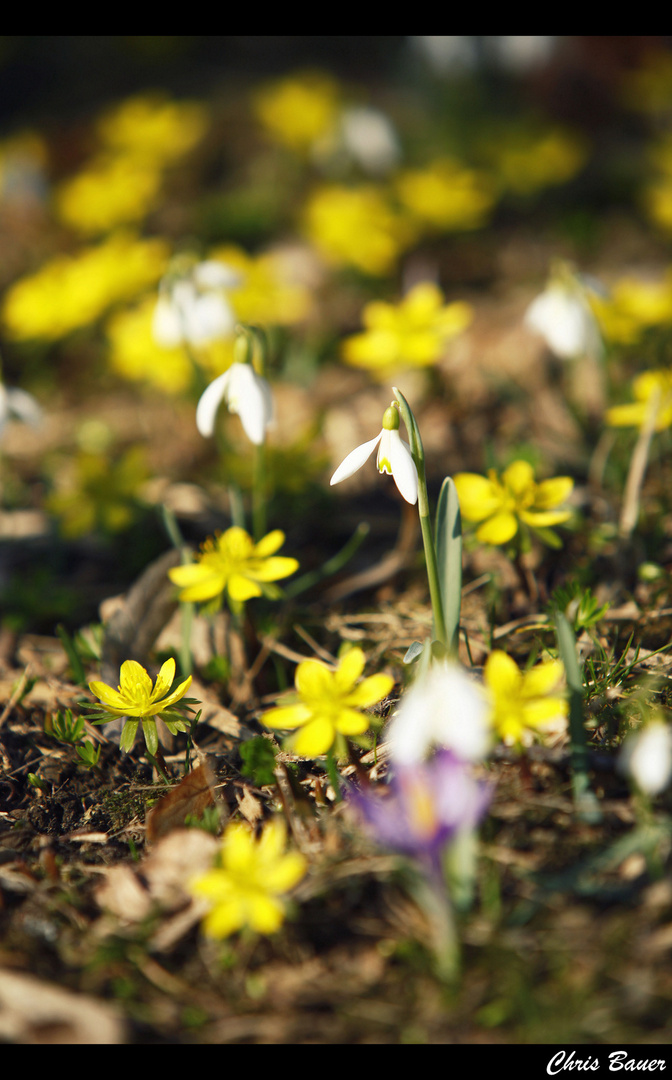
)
(633, 306)
(328, 702)
(652, 391)
(152, 128)
(267, 292)
(412, 334)
(72, 291)
(245, 889)
(447, 196)
(522, 703)
(357, 227)
(231, 562)
(109, 191)
(298, 110)
(136, 355)
(136, 700)
(527, 163)
(502, 503)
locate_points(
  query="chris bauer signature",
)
(617, 1059)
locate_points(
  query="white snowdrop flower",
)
(394, 457)
(563, 317)
(20, 405)
(370, 139)
(444, 708)
(646, 757)
(193, 307)
(246, 394)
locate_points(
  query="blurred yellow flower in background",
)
(72, 291)
(501, 504)
(231, 562)
(632, 307)
(135, 354)
(529, 162)
(447, 196)
(412, 334)
(298, 110)
(357, 227)
(522, 703)
(267, 292)
(152, 128)
(245, 889)
(652, 391)
(109, 191)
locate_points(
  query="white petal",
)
(208, 318)
(647, 756)
(355, 459)
(445, 708)
(166, 324)
(248, 395)
(403, 468)
(213, 274)
(24, 406)
(209, 403)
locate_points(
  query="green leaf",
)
(413, 652)
(547, 537)
(448, 539)
(151, 735)
(258, 757)
(128, 736)
(584, 797)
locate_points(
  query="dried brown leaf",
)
(190, 797)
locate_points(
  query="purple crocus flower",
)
(425, 807)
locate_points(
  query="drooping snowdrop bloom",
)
(646, 757)
(443, 708)
(193, 308)
(394, 457)
(246, 394)
(564, 318)
(20, 405)
(370, 139)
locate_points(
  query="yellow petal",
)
(274, 568)
(242, 588)
(501, 528)
(543, 678)
(502, 675)
(543, 518)
(225, 919)
(551, 493)
(189, 574)
(479, 498)
(350, 667)
(164, 680)
(264, 913)
(519, 477)
(373, 689)
(132, 676)
(351, 722)
(238, 854)
(627, 415)
(287, 717)
(269, 544)
(285, 873)
(545, 711)
(314, 681)
(110, 697)
(315, 738)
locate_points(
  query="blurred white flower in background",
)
(246, 394)
(646, 757)
(193, 307)
(20, 405)
(563, 316)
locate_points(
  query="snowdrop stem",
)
(259, 493)
(418, 453)
(638, 463)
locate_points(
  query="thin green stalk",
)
(259, 493)
(418, 453)
(584, 798)
(333, 773)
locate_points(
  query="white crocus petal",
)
(646, 757)
(443, 708)
(355, 459)
(395, 458)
